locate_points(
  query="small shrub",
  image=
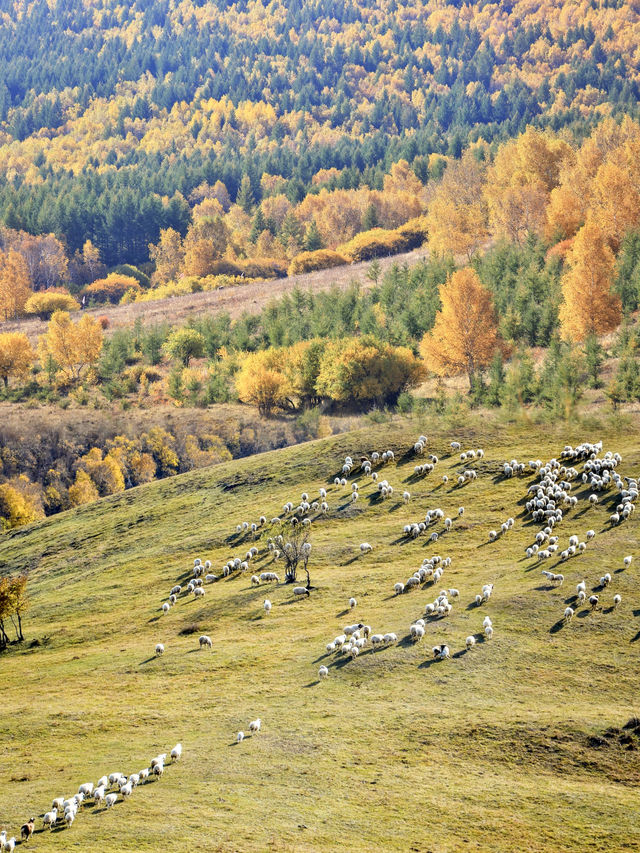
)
(104, 322)
(321, 259)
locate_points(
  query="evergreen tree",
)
(245, 196)
(313, 238)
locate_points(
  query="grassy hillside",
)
(504, 747)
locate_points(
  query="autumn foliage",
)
(45, 302)
(16, 356)
(73, 347)
(464, 337)
(590, 306)
(321, 259)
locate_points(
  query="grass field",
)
(515, 745)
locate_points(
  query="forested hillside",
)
(135, 113)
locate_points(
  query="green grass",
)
(491, 750)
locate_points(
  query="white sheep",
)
(300, 591)
(616, 600)
(323, 672)
(50, 818)
(267, 606)
(390, 638)
(398, 588)
(166, 607)
(488, 632)
(254, 726)
(568, 614)
(365, 548)
(86, 789)
(110, 800)
(470, 642)
(159, 649)
(627, 562)
(176, 752)
(205, 640)
(352, 603)
(10, 844)
(239, 737)
(98, 794)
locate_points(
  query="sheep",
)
(582, 597)
(605, 580)
(110, 800)
(26, 830)
(177, 589)
(10, 844)
(159, 649)
(365, 548)
(616, 600)
(50, 819)
(492, 536)
(390, 638)
(488, 632)
(57, 804)
(205, 640)
(627, 562)
(352, 603)
(441, 652)
(377, 639)
(158, 770)
(486, 621)
(98, 794)
(254, 726)
(86, 789)
(166, 607)
(593, 601)
(239, 737)
(267, 606)
(568, 614)
(470, 642)
(398, 588)
(300, 591)
(581, 587)
(417, 632)
(323, 672)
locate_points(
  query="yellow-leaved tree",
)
(16, 356)
(464, 337)
(262, 382)
(457, 215)
(589, 306)
(73, 347)
(15, 284)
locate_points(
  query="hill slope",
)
(499, 747)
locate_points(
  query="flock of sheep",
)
(548, 500)
(64, 810)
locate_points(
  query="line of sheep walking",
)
(105, 792)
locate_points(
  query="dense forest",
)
(131, 109)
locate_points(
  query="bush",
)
(130, 271)
(374, 244)
(112, 288)
(321, 259)
(263, 268)
(104, 322)
(414, 232)
(185, 344)
(45, 302)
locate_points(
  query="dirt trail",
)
(250, 297)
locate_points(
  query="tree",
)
(590, 306)
(168, 256)
(374, 271)
(457, 216)
(313, 238)
(185, 344)
(112, 288)
(262, 382)
(73, 347)
(594, 356)
(465, 336)
(16, 356)
(204, 244)
(295, 551)
(20, 503)
(15, 284)
(84, 490)
(244, 199)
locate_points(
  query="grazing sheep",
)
(159, 649)
(488, 632)
(352, 603)
(204, 640)
(627, 562)
(300, 591)
(406, 497)
(323, 672)
(176, 752)
(255, 580)
(254, 726)
(10, 844)
(441, 652)
(58, 804)
(568, 614)
(398, 588)
(110, 800)
(593, 601)
(26, 830)
(86, 789)
(390, 637)
(365, 548)
(267, 606)
(616, 600)
(98, 794)
(166, 607)
(158, 770)
(239, 737)
(470, 642)
(605, 580)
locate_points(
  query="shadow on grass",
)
(343, 612)
(429, 662)
(153, 619)
(583, 614)
(459, 654)
(559, 625)
(636, 638)
(312, 683)
(545, 587)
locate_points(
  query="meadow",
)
(517, 744)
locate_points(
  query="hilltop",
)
(519, 742)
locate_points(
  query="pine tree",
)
(313, 238)
(245, 196)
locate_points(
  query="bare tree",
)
(295, 550)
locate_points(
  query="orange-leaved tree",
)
(465, 336)
(589, 306)
(72, 346)
(261, 381)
